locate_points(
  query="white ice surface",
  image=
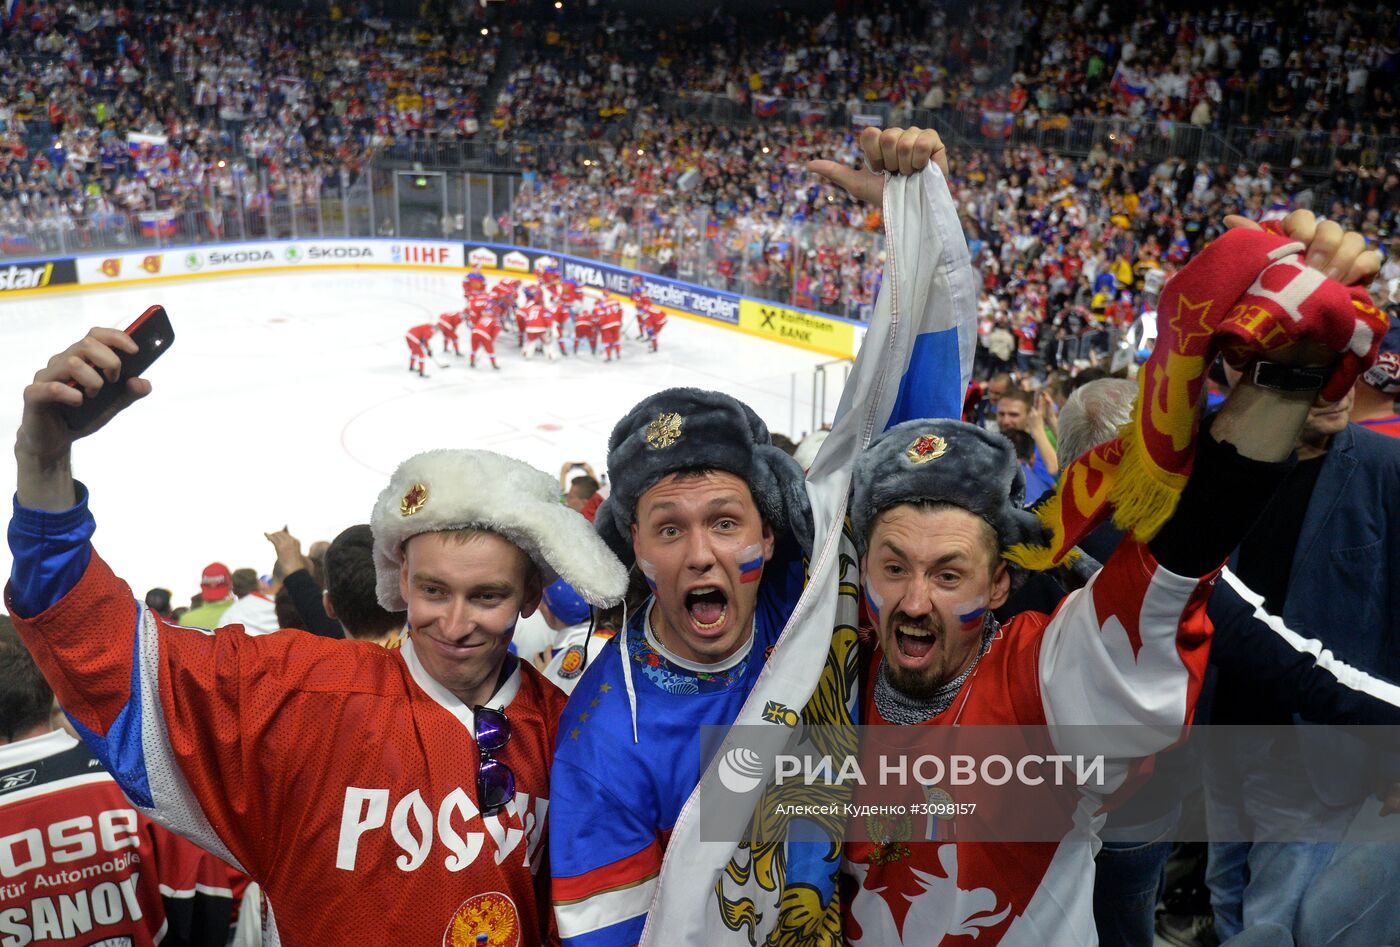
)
(287, 400)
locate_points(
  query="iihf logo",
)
(396, 253)
(740, 770)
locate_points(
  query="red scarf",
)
(1246, 295)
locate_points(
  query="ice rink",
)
(287, 400)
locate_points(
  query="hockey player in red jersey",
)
(91, 863)
(420, 346)
(535, 324)
(473, 283)
(610, 327)
(641, 299)
(652, 319)
(485, 327)
(586, 327)
(505, 294)
(379, 796)
(448, 324)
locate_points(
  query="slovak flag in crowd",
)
(811, 116)
(766, 106)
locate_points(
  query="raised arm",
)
(1131, 647)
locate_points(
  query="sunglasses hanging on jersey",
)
(495, 783)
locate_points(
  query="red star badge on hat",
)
(413, 500)
(925, 448)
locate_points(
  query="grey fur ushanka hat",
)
(688, 428)
(949, 462)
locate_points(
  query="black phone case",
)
(153, 336)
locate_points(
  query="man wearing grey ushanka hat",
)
(718, 522)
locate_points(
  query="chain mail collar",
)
(899, 708)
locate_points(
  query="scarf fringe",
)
(1143, 495)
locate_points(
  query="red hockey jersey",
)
(1120, 660)
(535, 319)
(338, 774)
(79, 864)
(609, 314)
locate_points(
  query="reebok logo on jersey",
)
(13, 781)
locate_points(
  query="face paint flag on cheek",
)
(970, 614)
(872, 604)
(750, 563)
(648, 573)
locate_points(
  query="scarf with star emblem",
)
(1248, 294)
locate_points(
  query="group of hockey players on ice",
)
(541, 314)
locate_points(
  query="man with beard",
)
(935, 510)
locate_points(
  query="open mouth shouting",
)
(708, 608)
(914, 641)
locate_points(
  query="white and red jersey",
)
(569, 292)
(534, 320)
(420, 337)
(473, 284)
(483, 317)
(651, 316)
(338, 774)
(1124, 657)
(81, 865)
(586, 322)
(609, 312)
(506, 289)
(448, 324)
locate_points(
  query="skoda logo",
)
(193, 261)
(293, 254)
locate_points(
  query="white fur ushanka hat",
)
(441, 490)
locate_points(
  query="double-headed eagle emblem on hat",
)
(665, 430)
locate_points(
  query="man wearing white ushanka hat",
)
(377, 796)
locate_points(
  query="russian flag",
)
(14, 9)
(1127, 82)
(766, 106)
(997, 124)
(750, 564)
(811, 116)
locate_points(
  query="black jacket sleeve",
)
(306, 595)
(1296, 671)
(1223, 497)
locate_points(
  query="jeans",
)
(1353, 903)
(1254, 790)
(1128, 881)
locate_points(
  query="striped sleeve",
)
(1125, 655)
(604, 859)
(1302, 671)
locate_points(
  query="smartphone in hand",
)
(153, 334)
